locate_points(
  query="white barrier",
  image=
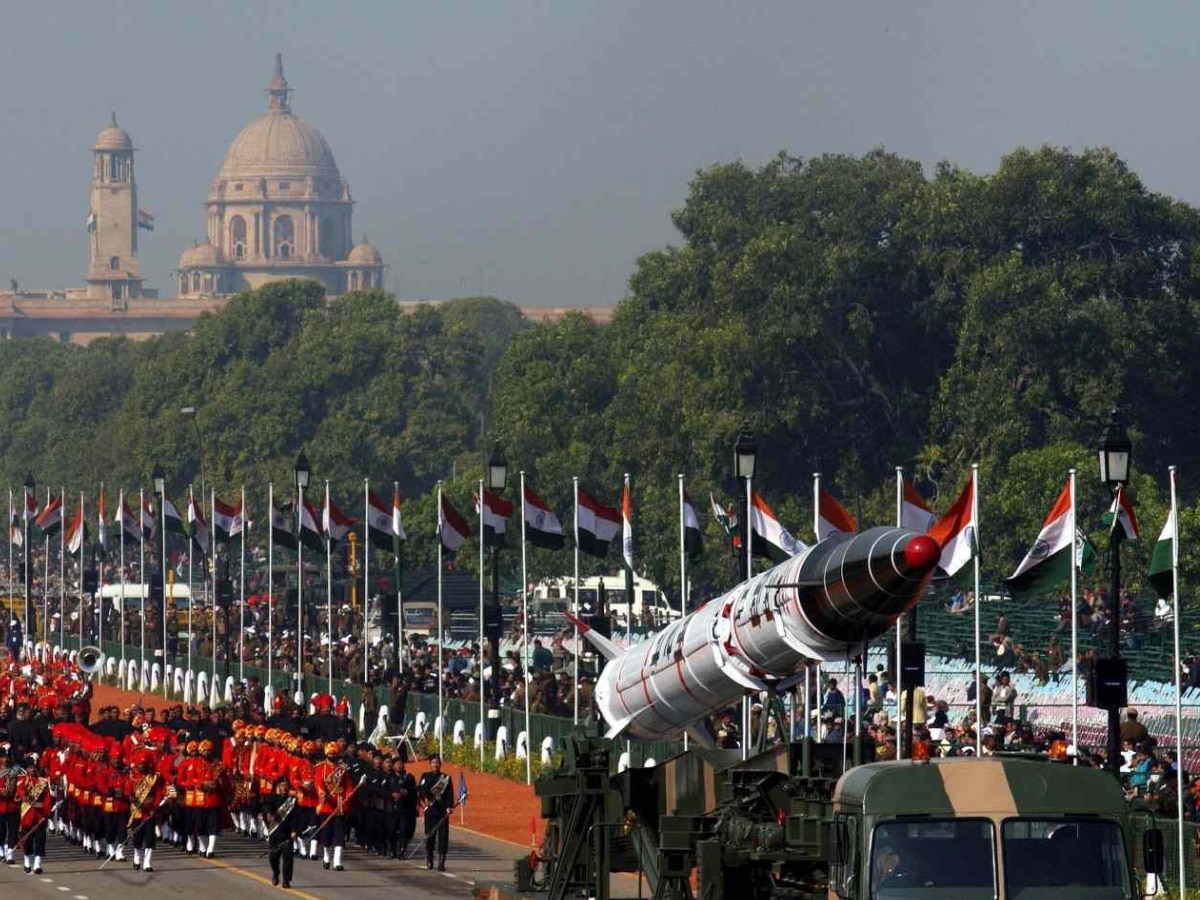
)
(154, 676)
(547, 750)
(649, 763)
(189, 687)
(202, 687)
(419, 725)
(502, 742)
(478, 735)
(522, 745)
(623, 761)
(460, 731)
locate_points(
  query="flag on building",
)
(956, 530)
(1126, 515)
(282, 532)
(311, 534)
(379, 518)
(1162, 559)
(627, 526)
(595, 525)
(197, 527)
(145, 220)
(1047, 564)
(91, 223)
(148, 521)
(693, 541)
(542, 527)
(334, 522)
(451, 526)
(496, 511)
(49, 520)
(172, 520)
(125, 518)
(76, 531)
(832, 517)
(914, 511)
(769, 538)
(728, 521)
(227, 519)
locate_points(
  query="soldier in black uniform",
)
(436, 790)
(279, 815)
(404, 793)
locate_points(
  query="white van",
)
(651, 608)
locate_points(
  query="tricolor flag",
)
(282, 533)
(1045, 566)
(627, 526)
(197, 527)
(914, 511)
(496, 511)
(542, 528)
(91, 223)
(227, 519)
(770, 539)
(148, 522)
(595, 525)
(379, 518)
(76, 531)
(172, 521)
(1126, 516)
(31, 506)
(49, 520)
(451, 526)
(832, 517)
(956, 532)
(126, 520)
(728, 521)
(145, 220)
(102, 526)
(16, 536)
(310, 532)
(1162, 559)
(334, 522)
(397, 519)
(693, 542)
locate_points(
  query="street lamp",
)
(302, 472)
(189, 412)
(745, 456)
(497, 476)
(29, 487)
(1115, 452)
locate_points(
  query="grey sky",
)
(534, 150)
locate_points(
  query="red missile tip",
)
(922, 553)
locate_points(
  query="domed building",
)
(279, 208)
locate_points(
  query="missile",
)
(823, 603)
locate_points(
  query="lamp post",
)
(745, 455)
(29, 486)
(497, 475)
(189, 412)
(1114, 451)
(302, 472)
(159, 477)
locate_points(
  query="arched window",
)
(327, 238)
(114, 263)
(114, 167)
(208, 282)
(237, 236)
(183, 283)
(354, 281)
(285, 237)
(195, 282)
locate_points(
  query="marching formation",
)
(119, 786)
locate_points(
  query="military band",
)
(126, 782)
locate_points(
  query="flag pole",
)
(212, 609)
(749, 574)
(242, 593)
(121, 520)
(298, 674)
(367, 579)
(1074, 622)
(682, 571)
(575, 675)
(525, 635)
(440, 685)
(46, 590)
(1179, 785)
(162, 527)
(329, 586)
(270, 583)
(978, 614)
(899, 619)
(816, 506)
(191, 553)
(82, 594)
(399, 591)
(62, 569)
(482, 681)
(28, 637)
(142, 583)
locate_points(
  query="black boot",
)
(441, 864)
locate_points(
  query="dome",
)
(365, 254)
(278, 144)
(114, 137)
(201, 256)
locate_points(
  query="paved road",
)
(239, 871)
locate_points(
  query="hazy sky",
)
(534, 150)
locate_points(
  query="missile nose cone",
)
(922, 553)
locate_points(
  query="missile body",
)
(820, 604)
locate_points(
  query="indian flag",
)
(452, 527)
(91, 223)
(728, 521)
(227, 519)
(769, 537)
(76, 531)
(957, 532)
(832, 517)
(1162, 559)
(49, 520)
(1046, 565)
(914, 511)
(145, 220)
(542, 527)
(1122, 510)
(627, 526)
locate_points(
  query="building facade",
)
(278, 208)
(112, 220)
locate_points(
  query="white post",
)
(1074, 620)
(145, 586)
(525, 633)
(399, 587)
(62, 569)
(749, 548)
(82, 593)
(329, 589)
(366, 597)
(162, 527)
(441, 692)
(899, 619)
(575, 676)
(1178, 611)
(978, 613)
(121, 538)
(25, 624)
(298, 676)
(482, 681)
(242, 592)
(191, 553)
(212, 607)
(270, 583)
(682, 571)
(817, 506)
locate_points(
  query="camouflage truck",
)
(795, 823)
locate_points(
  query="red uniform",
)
(333, 787)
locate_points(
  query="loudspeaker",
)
(91, 581)
(224, 593)
(156, 587)
(1107, 685)
(493, 621)
(912, 664)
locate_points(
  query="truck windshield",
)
(1064, 859)
(954, 859)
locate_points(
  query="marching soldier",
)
(279, 817)
(300, 776)
(404, 792)
(9, 807)
(115, 810)
(334, 787)
(33, 793)
(147, 793)
(436, 791)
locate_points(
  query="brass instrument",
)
(34, 795)
(333, 780)
(90, 659)
(438, 792)
(8, 788)
(141, 794)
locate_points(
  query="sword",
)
(148, 818)
(311, 830)
(32, 828)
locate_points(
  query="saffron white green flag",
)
(1046, 565)
(1162, 559)
(1126, 516)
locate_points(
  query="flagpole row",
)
(298, 674)
(1074, 621)
(978, 615)
(366, 597)
(62, 570)
(575, 671)
(1177, 611)
(329, 587)
(525, 668)
(483, 682)
(682, 569)
(899, 619)
(270, 586)
(440, 631)
(242, 592)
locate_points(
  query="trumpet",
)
(90, 659)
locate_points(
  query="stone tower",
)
(112, 220)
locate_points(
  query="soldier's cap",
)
(435, 756)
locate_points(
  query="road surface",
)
(240, 871)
